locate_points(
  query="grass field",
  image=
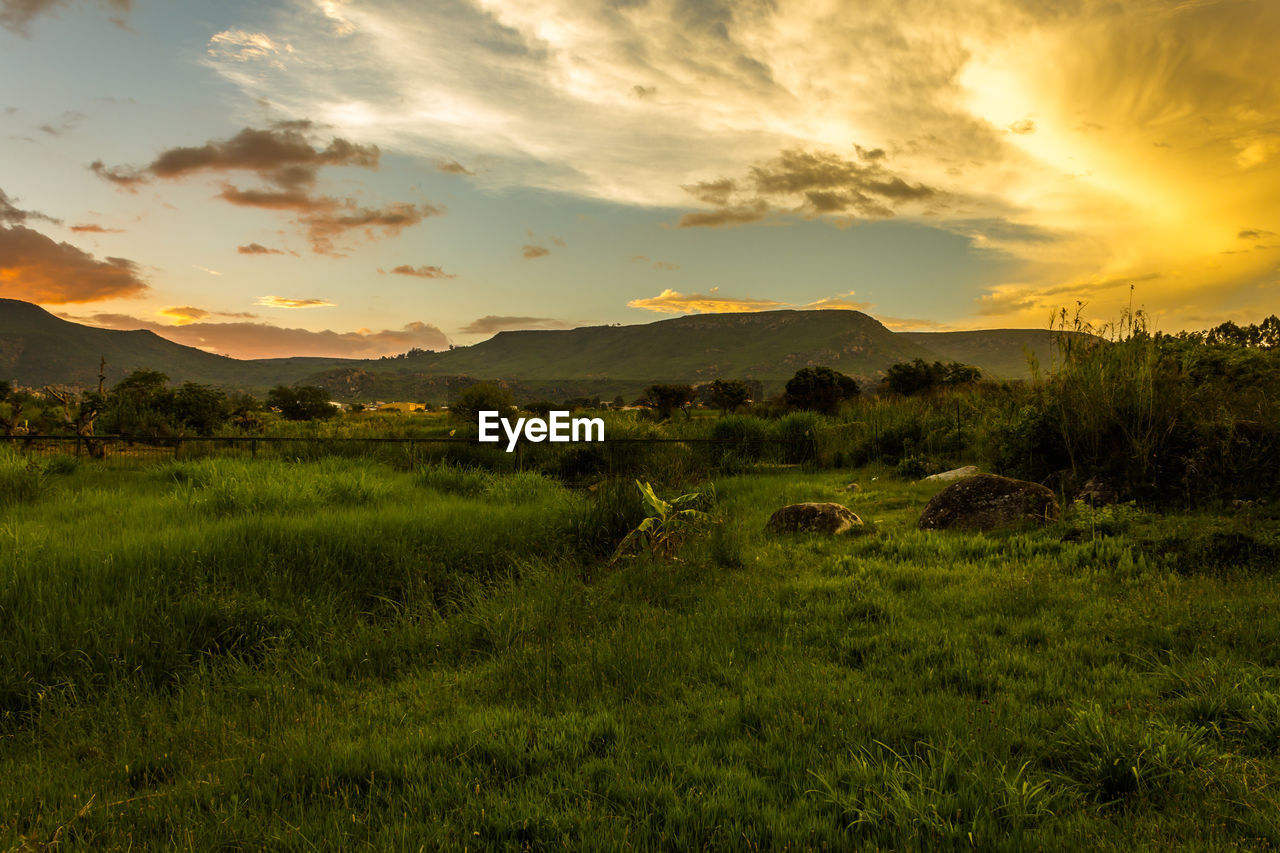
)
(238, 654)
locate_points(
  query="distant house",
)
(401, 407)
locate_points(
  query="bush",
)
(742, 436)
(797, 433)
(22, 479)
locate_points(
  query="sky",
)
(362, 177)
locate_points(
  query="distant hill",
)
(37, 348)
(1001, 353)
(765, 345)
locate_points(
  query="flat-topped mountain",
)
(37, 348)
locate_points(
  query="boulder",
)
(985, 502)
(813, 518)
(954, 474)
(1099, 491)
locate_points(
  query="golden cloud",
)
(673, 302)
(286, 302)
(35, 268)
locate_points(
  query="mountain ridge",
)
(38, 348)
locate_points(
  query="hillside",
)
(37, 348)
(766, 345)
(1001, 353)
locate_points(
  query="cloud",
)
(286, 302)
(1023, 126)
(421, 272)
(530, 251)
(287, 161)
(205, 269)
(665, 265)
(908, 324)
(257, 249)
(672, 302)
(1255, 234)
(810, 182)
(245, 46)
(10, 213)
(95, 229)
(35, 268)
(184, 314)
(452, 167)
(121, 176)
(263, 340)
(936, 88)
(742, 215)
(491, 324)
(17, 15)
(68, 120)
(838, 303)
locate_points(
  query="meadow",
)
(346, 653)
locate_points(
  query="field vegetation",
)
(438, 645)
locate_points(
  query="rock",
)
(954, 474)
(1099, 491)
(853, 487)
(813, 518)
(985, 502)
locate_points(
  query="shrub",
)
(22, 479)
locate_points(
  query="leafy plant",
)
(667, 523)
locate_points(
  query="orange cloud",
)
(35, 268)
(95, 229)
(285, 302)
(673, 302)
(530, 251)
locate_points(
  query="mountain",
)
(37, 348)
(765, 345)
(1001, 353)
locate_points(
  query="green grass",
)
(337, 655)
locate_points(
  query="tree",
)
(301, 402)
(16, 401)
(665, 399)
(820, 389)
(140, 404)
(481, 397)
(729, 395)
(202, 408)
(919, 376)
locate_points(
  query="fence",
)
(663, 458)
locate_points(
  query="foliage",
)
(667, 523)
(919, 376)
(254, 677)
(819, 389)
(728, 395)
(301, 402)
(481, 397)
(665, 399)
(143, 404)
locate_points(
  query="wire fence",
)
(658, 457)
